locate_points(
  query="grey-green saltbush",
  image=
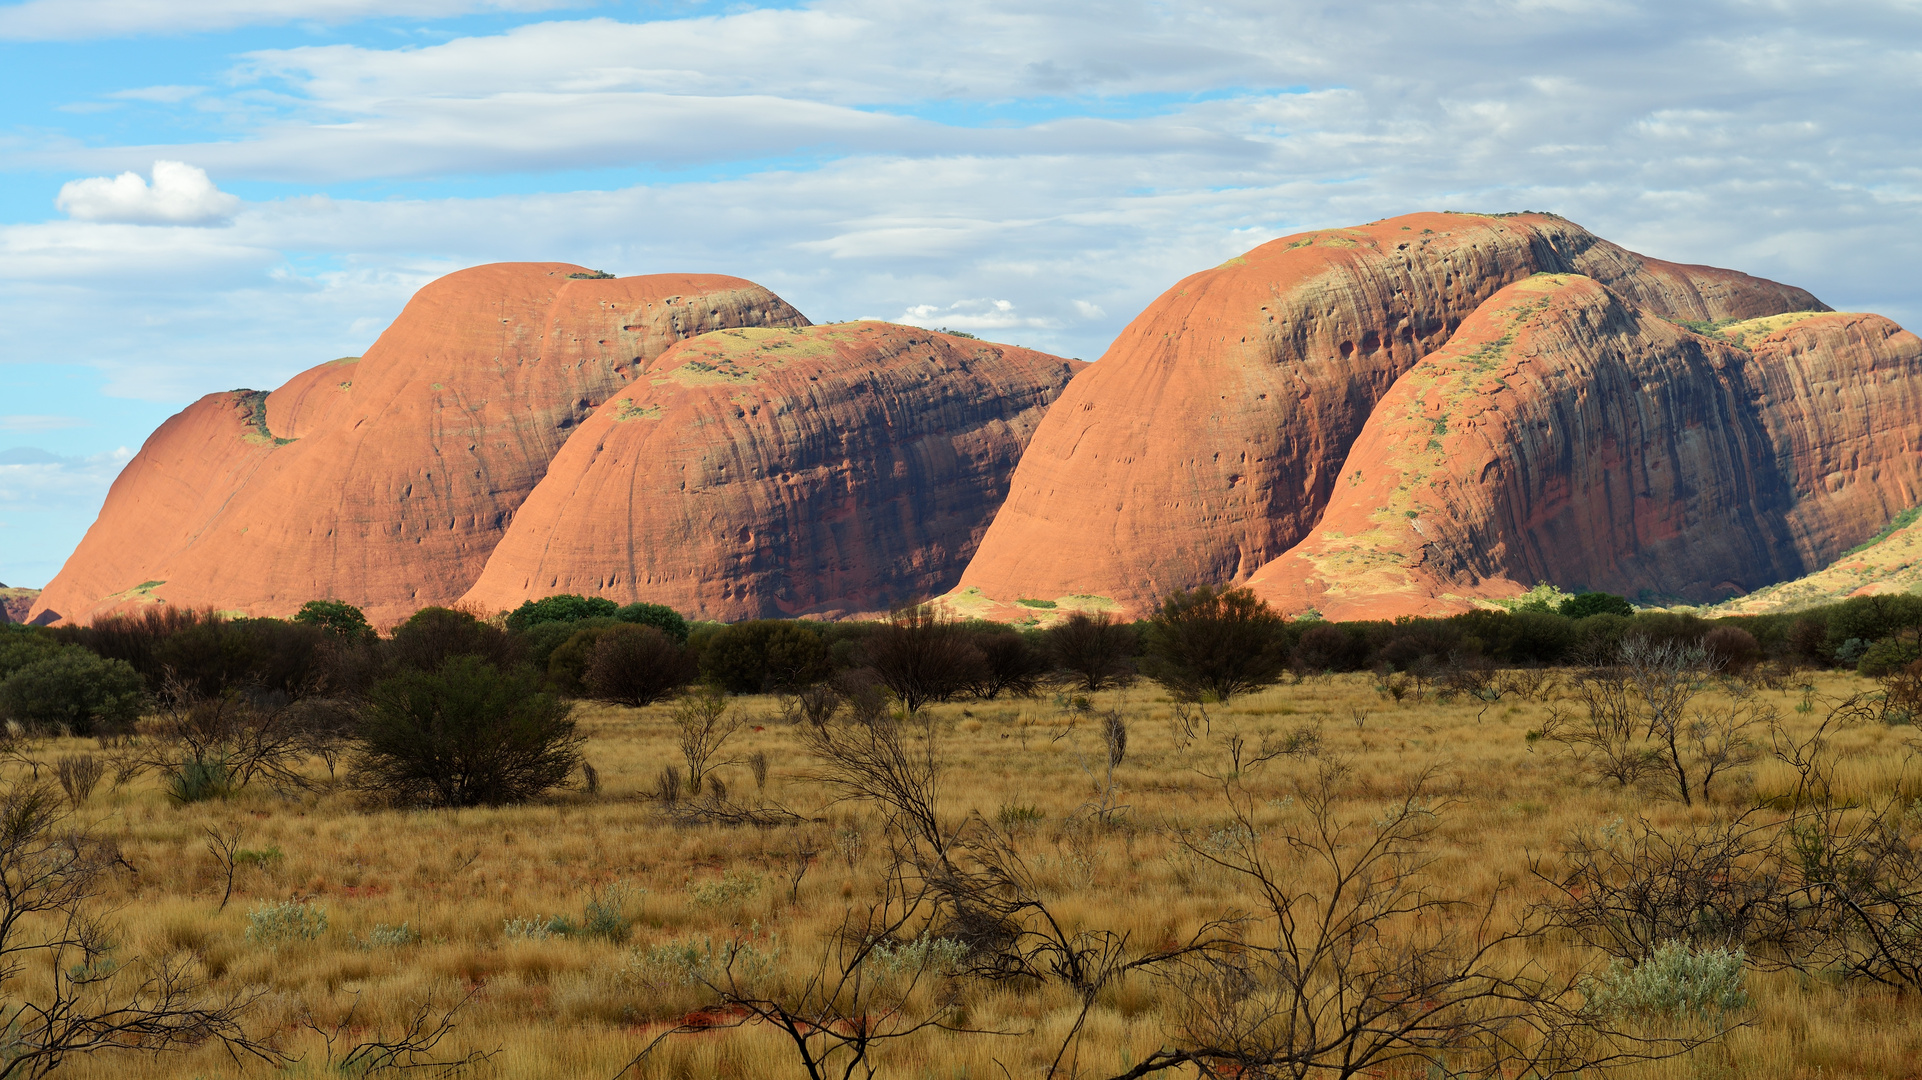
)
(283, 923)
(1676, 982)
(918, 957)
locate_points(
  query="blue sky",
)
(1032, 172)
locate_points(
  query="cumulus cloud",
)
(180, 194)
(73, 20)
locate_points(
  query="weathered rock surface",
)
(1564, 436)
(1206, 441)
(386, 481)
(825, 471)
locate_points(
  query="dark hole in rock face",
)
(1347, 349)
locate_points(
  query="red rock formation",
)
(760, 473)
(1205, 441)
(1564, 436)
(386, 481)
(16, 604)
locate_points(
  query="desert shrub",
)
(912, 958)
(1807, 640)
(659, 616)
(1326, 647)
(1595, 603)
(336, 617)
(22, 645)
(133, 637)
(1891, 654)
(1677, 982)
(78, 774)
(730, 887)
(1094, 650)
(1870, 619)
(567, 663)
(1209, 644)
(73, 690)
(468, 734)
(921, 656)
(565, 607)
(1733, 648)
(195, 781)
(637, 665)
(764, 656)
(383, 936)
(606, 914)
(540, 642)
(285, 923)
(435, 635)
(1010, 663)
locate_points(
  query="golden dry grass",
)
(563, 1008)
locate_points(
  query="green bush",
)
(565, 607)
(1205, 644)
(343, 620)
(22, 645)
(1891, 654)
(659, 616)
(1595, 603)
(199, 781)
(466, 735)
(1676, 982)
(285, 923)
(435, 635)
(636, 666)
(74, 690)
(764, 656)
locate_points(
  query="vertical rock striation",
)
(824, 471)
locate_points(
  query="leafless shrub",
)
(1643, 721)
(922, 656)
(78, 774)
(414, 1046)
(667, 786)
(757, 764)
(1094, 650)
(703, 722)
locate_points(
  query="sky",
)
(203, 195)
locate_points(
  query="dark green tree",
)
(341, 619)
(1596, 603)
(76, 690)
(637, 665)
(1097, 651)
(1206, 644)
(565, 607)
(764, 656)
(659, 616)
(468, 734)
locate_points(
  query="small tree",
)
(637, 665)
(466, 735)
(764, 656)
(923, 657)
(433, 635)
(1009, 664)
(341, 619)
(703, 723)
(659, 616)
(1097, 651)
(1596, 603)
(75, 690)
(1216, 644)
(565, 607)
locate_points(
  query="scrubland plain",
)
(478, 891)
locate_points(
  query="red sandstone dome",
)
(1564, 436)
(386, 480)
(831, 470)
(1207, 441)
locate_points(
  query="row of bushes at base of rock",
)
(80, 678)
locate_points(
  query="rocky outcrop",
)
(386, 480)
(1890, 562)
(825, 471)
(16, 604)
(1563, 435)
(1206, 441)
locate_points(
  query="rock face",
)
(775, 472)
(1207, 440)
(386, 480)
(1562, 435)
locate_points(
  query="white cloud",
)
(180, 194)
(74, 20)
(39, 422)
(46, 501)
(161, 95)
